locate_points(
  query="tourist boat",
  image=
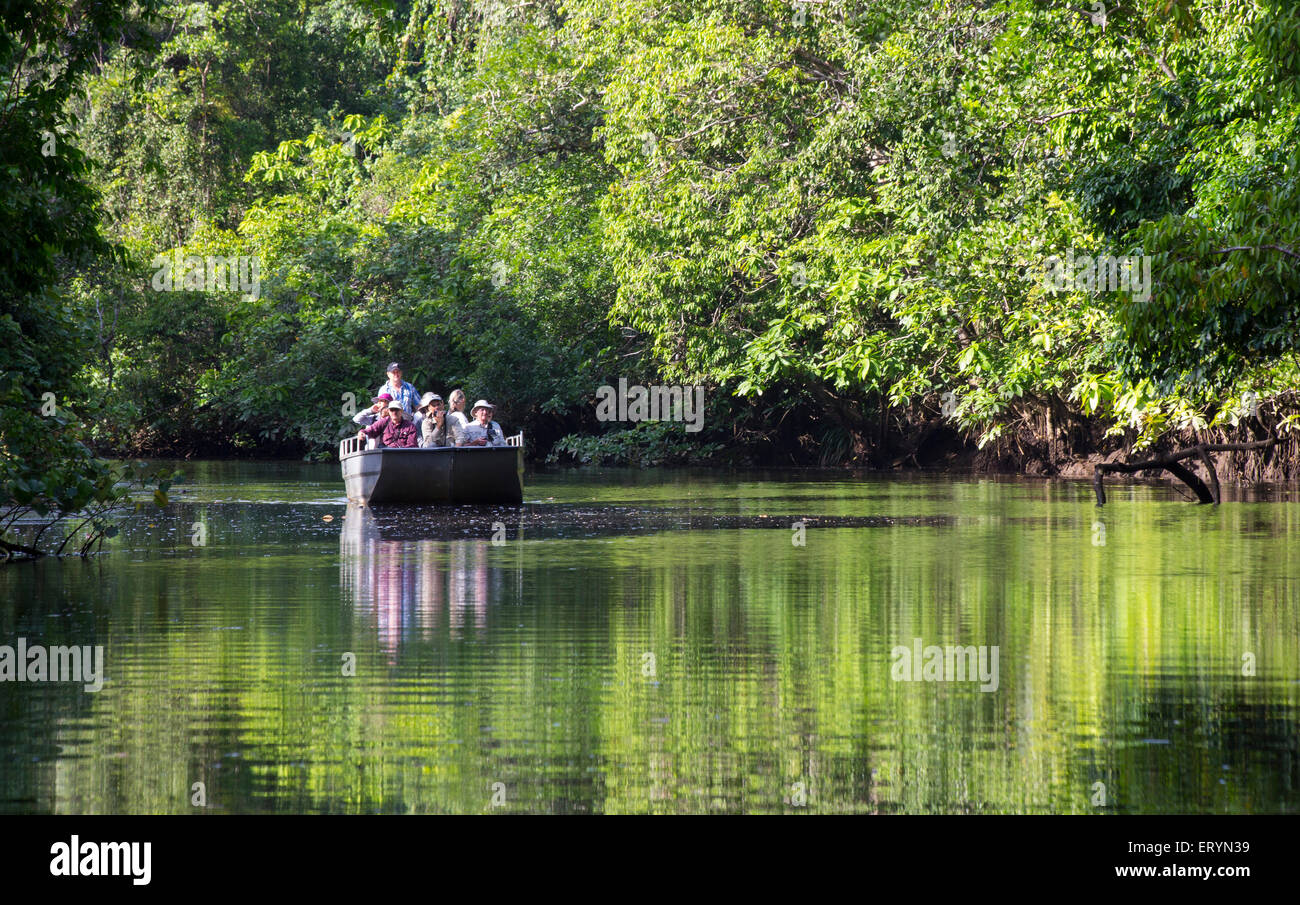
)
(466, 474)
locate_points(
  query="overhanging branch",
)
(1171, 464)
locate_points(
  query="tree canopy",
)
(838, 217)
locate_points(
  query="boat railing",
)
(350, 445)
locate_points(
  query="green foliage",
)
(177, 112)
(647, 444)
(866, 199)
(459, 242)
(842, 210)
(1227, 262)
(48, 217)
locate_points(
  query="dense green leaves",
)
(47, 217)
(842, 218)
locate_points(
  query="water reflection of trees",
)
(411, 588)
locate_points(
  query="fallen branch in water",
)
(1170, 463)
(11, 549)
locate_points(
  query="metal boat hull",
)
(444, 475)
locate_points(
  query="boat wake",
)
(539, 521)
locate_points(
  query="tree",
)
(48, 218)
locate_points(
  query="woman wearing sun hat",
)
(368, 416)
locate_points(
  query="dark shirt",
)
(399, 434)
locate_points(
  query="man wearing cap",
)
(431, 422)
(367, 416)
(397, 430)
(483, 431)
(402, 392)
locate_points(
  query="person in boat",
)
(432, 421)
(396, 431)
(483, 431)
(402, 392)
(421, 407)
(456, 420)
(368, 416)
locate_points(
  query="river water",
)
(667, 641)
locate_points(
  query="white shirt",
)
(456, 424)
(491, 433)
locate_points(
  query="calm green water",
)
(645, 641)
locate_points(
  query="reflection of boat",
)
(445, 475)
(419, 588)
